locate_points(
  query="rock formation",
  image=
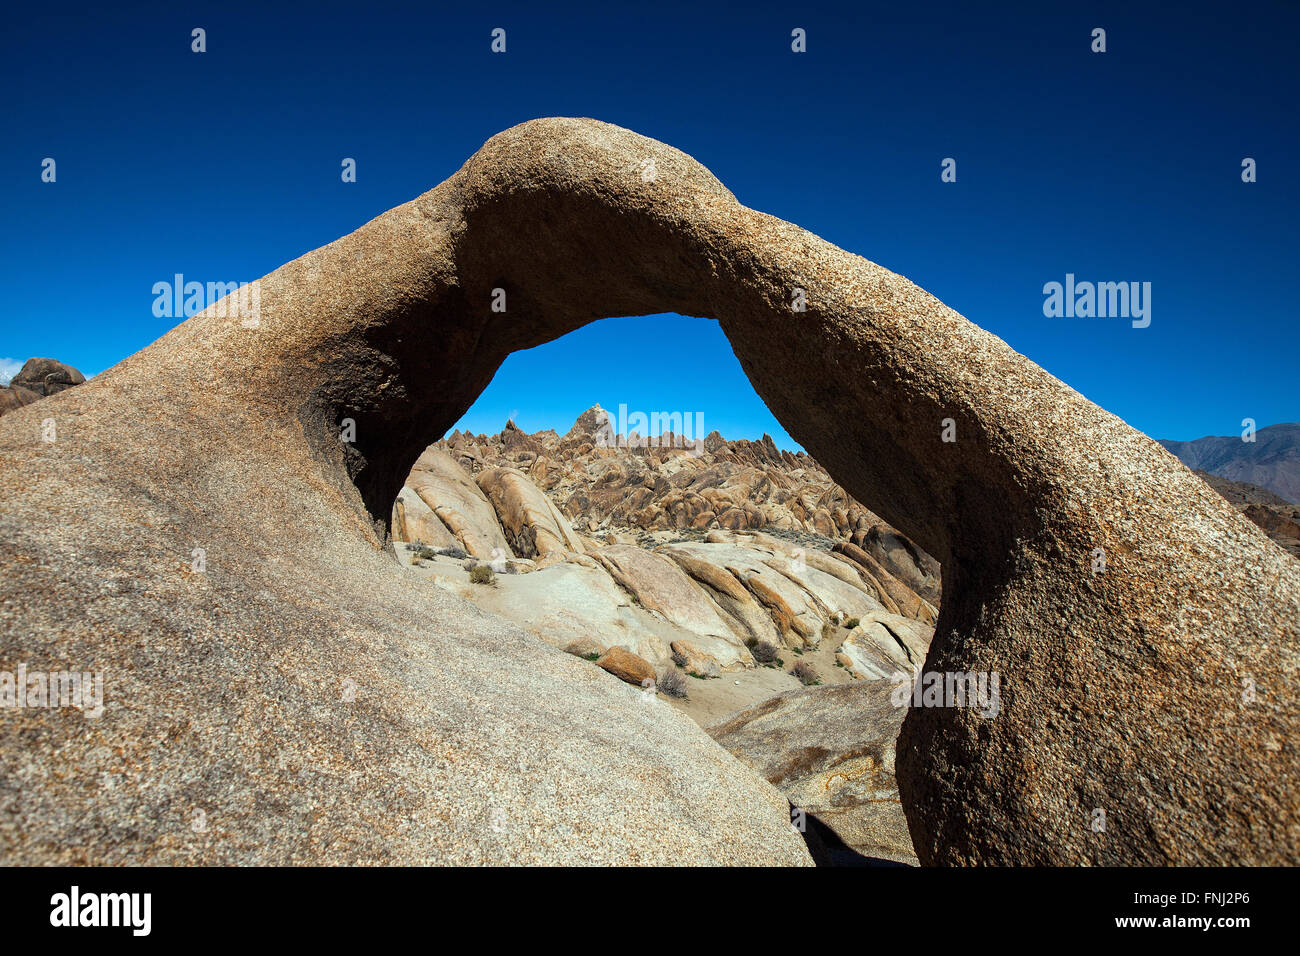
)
(317, 706)
(831, 751)
(1277, 517)
(651, 592)
(734, 485)
(37, 379)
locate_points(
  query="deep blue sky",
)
(1115, 166)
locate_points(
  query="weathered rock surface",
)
(15, 396)
(568, 602)
(532, 524)
(893, 593)
(458, 504)
(414, 520)
(904, 560)
(736, 588)
(37, 379)
(885, 645)
(746, 616)
(627, 666)
(1273, 514)
(798, 598)
(831, 751)
(1120, 690)
(660, 585)
(604, 486)
(585, 647)
(47, 376)
(694, 660)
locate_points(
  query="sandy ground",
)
(711, 701)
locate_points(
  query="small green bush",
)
(765, 652)
(851, 623)
(482, 574)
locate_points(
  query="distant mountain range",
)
(1271, 461)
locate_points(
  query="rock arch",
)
(1121, 692)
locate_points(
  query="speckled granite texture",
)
(316, 704)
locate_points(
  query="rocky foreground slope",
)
(277, 689)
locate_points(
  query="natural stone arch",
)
(1120, 692)
(1116, 686)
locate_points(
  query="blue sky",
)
(1122, 166)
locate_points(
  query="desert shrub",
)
(510, 568)
(424, 554)
(806, 673)
(672, 682)
(829, 628)
(456, 553)
(765, 652)
(851, 623)
(482, 574)
(679, 658)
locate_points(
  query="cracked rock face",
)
(1121, 691)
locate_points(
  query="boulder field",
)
(278, 690)
(715, 592)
